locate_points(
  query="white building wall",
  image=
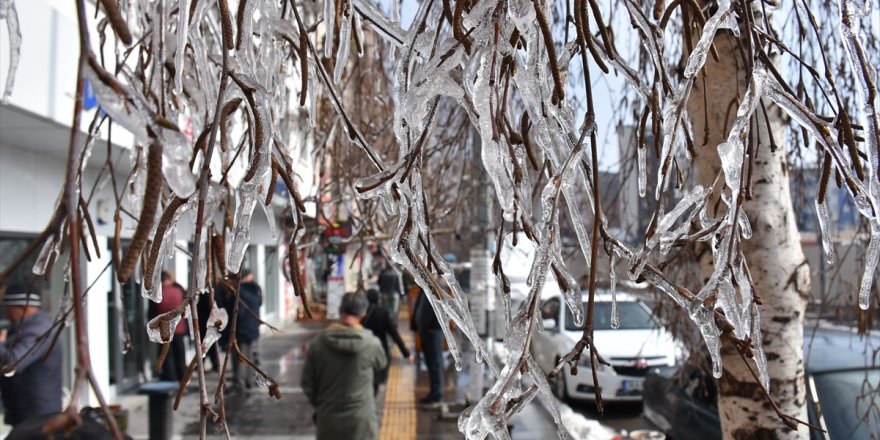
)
(97, 314)
(29, 184)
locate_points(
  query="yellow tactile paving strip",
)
(399, 417)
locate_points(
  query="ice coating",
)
(615, 314)
(643, 171)
(261, 381)
(176, 152)
(161, 328)
(217, 321)
(10, 15)
(117, 105)
(389, 29)
(472, 81)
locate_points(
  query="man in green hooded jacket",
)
(338, 375)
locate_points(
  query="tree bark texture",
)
(775, 258)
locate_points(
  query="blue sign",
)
(90, 100)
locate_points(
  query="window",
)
(633, 316)
(550, 310)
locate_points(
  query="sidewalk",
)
(253, 415)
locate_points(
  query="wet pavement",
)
(253, 414)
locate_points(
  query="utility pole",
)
(482, 282)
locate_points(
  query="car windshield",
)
(846, 399)
(633, 316)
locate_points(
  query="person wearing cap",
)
(378, 320)
(338, 374)
(31, 379)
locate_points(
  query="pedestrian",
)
(424, 321)
(30, 358)
(378, 320)
(338, 375)
(247, 330)
(389, 286)
(205, 308)
(173, 293)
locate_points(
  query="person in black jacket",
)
(424, 320)
(205, 307)
(247, 332)
(378, 320)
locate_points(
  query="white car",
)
(638, 345)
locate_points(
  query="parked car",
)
(842, 383)
(638, 345)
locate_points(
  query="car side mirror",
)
(549, 324)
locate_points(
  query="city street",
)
(252, 414)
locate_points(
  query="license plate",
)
(633, 385)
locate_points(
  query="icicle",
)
(247, 198)
(270, 217)
(745, 227)
(389, 29)
(825, 229)
(49, 252)
(10, 14)
(705, 320)
(758, 341)
(695, 197)
(202, 266)
(344, 48)
(212, 334)
(745, 299)
(872, 254)
(329, 26)
(643, 172)
(179, 54)
(312, 97)
(615, 314)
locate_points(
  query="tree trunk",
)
(774, 255)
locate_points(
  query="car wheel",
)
(558, 384)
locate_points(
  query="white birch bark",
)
(778, 266)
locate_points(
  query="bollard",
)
(160, 415)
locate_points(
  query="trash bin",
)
(160, 416)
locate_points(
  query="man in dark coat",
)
(34, 389)
(247, 332)
(389, 285)
(338, 374)
(425, 322)
(378, 320)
